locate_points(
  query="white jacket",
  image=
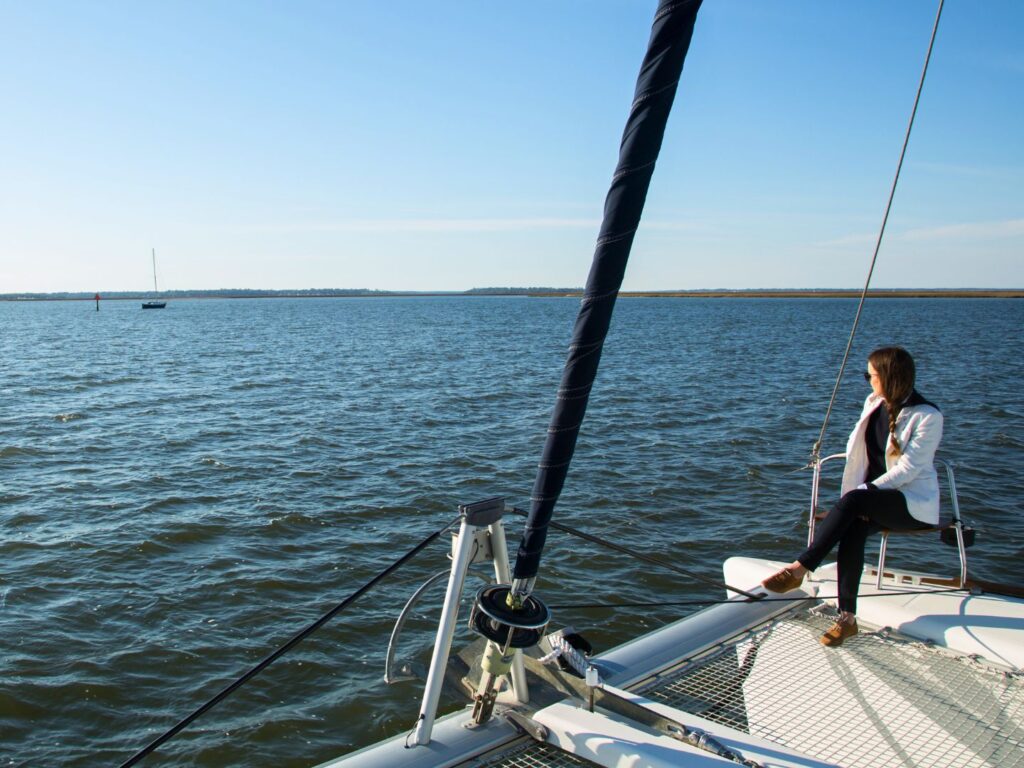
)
(919, 430)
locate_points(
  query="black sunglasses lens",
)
(867, 376)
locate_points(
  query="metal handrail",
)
(956, 522)
(953, 502)
(815, 484)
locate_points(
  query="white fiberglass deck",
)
(943, 689)
(952, 696)
(879, 700)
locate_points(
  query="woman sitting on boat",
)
(889, 482)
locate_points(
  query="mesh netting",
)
(879, 700)
(532, 755)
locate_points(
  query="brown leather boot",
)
(838, 632)
(783, 581)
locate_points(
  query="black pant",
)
(857, 515)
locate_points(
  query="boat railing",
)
(953, 523)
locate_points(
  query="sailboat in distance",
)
(154, 304)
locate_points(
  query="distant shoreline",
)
(909, 293)
(762, 293)
(899, 293)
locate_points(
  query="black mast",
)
(638, 152)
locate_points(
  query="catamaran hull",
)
(776, 695)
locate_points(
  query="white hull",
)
(880, 700)
(984, 625)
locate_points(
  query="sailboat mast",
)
(638, 152)
(155, 289)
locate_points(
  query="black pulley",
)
(494, 619)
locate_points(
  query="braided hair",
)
(895, 368)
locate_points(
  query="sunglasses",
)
(867, 376)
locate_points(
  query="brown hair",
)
(895, 368)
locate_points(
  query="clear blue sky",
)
(449, 145)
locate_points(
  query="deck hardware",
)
(593, 679)
(507, 627)
(483, 705)
(527, 725)
(405, 671)
(567, 641)
(477, 519)
(507, 630)
(570, 651)
(618, 701)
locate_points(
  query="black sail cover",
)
(641, 142)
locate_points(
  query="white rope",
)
(562, 649)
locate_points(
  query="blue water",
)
(183, 490)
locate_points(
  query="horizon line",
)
(537, 291)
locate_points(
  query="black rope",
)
(662, 603)
(286, 647)
(646, 558)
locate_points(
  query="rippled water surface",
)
(181, 491)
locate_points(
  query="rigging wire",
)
(646, 558)
(723, 601)
(282, 650)
(816, 450)
(750, 597)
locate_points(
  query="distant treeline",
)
(256, 293)
(523, 291)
